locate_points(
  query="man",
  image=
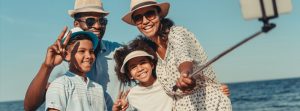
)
(89, 15)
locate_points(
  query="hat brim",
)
(163, 6)
(91, 35)
(73, 12)
(134, 54)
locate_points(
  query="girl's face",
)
(81, 57)
(147, 21)
(140, 69)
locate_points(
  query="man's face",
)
(93, 22)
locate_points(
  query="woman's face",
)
(147, 21)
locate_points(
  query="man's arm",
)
(36, 91)
(35, 95)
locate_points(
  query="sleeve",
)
(56, 95)
(180, 40)
(58, 71)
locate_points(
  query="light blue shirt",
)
(71, 93)
(102, 71)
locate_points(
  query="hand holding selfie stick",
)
(265, 28)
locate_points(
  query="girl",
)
(135, 63)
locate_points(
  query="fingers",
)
(120, 95)
(224, 88)
(185, 83)
(67, 39)
(125, 94)
(61, 35)
(59, 39)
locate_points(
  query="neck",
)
(79, 73)
(148, 83)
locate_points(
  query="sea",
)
(267, 95)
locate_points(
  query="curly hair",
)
(139, 43)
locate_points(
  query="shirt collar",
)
(71, 74)
(102, 46)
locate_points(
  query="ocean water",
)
(270, 95)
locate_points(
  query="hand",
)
(121, 103)
(185, 83)
(56, 52)
(225, 90)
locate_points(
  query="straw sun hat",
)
(138, 4)
(87, 6)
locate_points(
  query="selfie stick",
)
(265, 28)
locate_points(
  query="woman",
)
(179, 54)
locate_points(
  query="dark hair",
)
(76, 38)
(165, 26)
(139, 43)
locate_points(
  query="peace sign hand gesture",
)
(121, 103)
(57, 51)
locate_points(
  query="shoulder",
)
(177, 29)
(110, 44)
(61, 82)
(96, 85)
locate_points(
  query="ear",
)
(68, 56)
(152, 65)
(76, 23)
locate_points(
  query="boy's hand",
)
(185, 83)
(56, 52)
(121, 103)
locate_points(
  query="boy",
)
(74, 91)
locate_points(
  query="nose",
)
(145, 20)
(139, 67)
(96, 25)
(89, 54)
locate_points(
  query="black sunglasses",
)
(91, 21)
(150, 15)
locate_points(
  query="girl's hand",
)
(121, 103)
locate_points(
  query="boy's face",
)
(140, 69)
(81, 56)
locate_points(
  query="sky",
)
(28, 27)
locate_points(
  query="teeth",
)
(143, 74)
(147, 27)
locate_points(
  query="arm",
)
(36, 91)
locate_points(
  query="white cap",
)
(132, 55)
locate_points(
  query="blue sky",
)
(27, 28)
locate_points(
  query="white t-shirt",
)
(151, 98)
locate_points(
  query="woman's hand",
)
(185, 83)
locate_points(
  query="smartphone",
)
(251, 9)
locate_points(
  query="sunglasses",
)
(138, 19)
(91, 21)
